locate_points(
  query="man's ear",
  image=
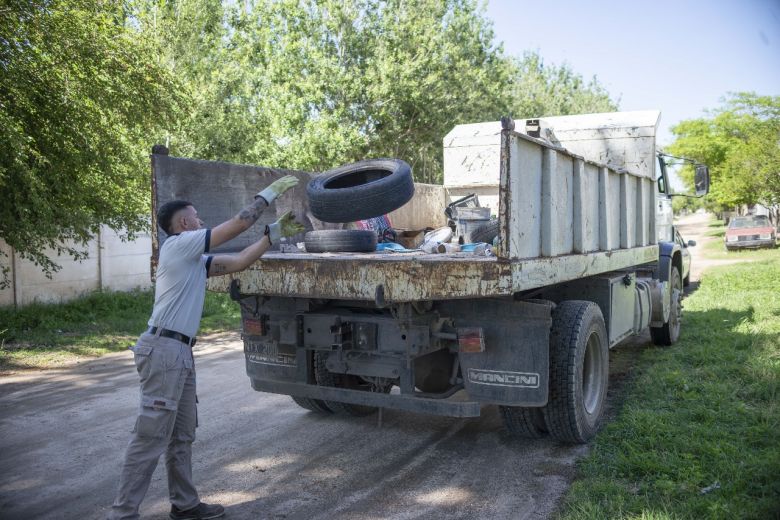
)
(177, 223)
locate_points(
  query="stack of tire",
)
(358, 191)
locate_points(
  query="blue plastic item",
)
(393, 247)
(468, 248)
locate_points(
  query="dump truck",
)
(576, 268)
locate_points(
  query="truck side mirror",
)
(701, 180)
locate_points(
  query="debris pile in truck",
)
(366, 191)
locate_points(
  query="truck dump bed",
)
(561, 216)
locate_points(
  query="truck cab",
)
(671, 243)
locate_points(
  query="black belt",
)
(165, 333)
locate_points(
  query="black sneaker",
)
(200, 512)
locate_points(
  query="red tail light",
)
(471, 340)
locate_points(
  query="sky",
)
(680, 57)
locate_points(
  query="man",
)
(163, 356)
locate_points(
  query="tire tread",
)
(314, 405)
(341, 240)
(560, 414)
(325, 377)
(369, 200)
(486, 232)
(523, 422)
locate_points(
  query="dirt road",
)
(695, 227)
(62, 434)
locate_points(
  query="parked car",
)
(752, 231)
(686, 256)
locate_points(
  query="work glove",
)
(286, 226)
(277, 188)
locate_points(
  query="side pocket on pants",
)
(142, 360)
(156, 418)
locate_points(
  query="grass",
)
(50, 335)
(698, 434)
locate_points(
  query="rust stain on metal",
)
(356, 277)
(153, 261)
(505, 199)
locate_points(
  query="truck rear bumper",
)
(445, 407)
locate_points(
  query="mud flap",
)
(267, 359)
(513, 370)
(270, 332)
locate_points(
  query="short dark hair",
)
(167, 211)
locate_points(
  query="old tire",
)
(314, 405)
(527, 423)
(669, 332)
(579, 372)
(341, 240)
(486, 232)
(361, 190)
(325, 377)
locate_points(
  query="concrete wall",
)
(6, 259)
(111, 265)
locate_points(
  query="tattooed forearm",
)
(217, 269)
(251, 213)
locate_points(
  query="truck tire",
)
(527, 423)
(341, 240)
(314, 405)
(486, 232)
(325, 377)
(361, 190)
(579, 372)
(669, 332)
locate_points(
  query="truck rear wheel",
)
(527, 423)
(325, 377)
(314, 405)
(669, 332)
(579, 372)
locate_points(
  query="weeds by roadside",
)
(699, 432)
(47, 335)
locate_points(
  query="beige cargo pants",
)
(166, 423)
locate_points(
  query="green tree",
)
(538, 89)
(314, 84)
(740, 142)
(200, 42)
(82, 98)
(685, 204)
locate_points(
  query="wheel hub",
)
(592, 375)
